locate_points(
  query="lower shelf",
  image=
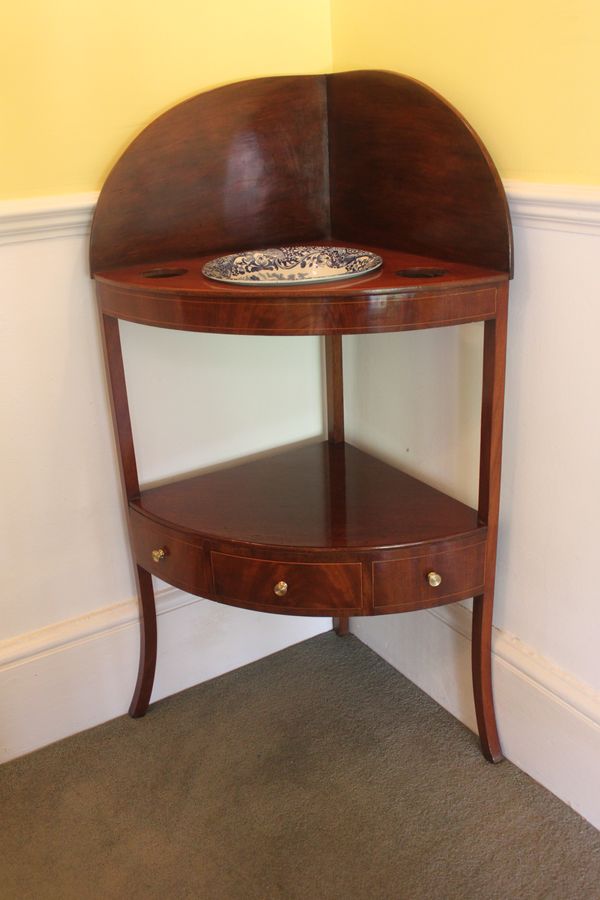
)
(320, 530)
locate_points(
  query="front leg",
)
(482, 677)
(148, 639)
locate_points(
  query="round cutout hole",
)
(422, 272)
(164, 273)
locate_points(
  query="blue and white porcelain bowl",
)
(287, 265)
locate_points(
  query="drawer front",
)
(312, 587)
(410, 583)
(168, 556)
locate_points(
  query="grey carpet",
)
(318, 772)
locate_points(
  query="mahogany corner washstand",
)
(361, 159)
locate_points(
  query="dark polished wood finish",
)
(367, 159)
(115, 375)
(403, 585)
(384, 301)
(407, 171)
(334, 382)
(334, 376)
(284, 503)
(148, 645)
(492, 414)
(341, 625)
(244, 165)
(324, 588)
(372, 157)
(320, 519)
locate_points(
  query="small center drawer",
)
(315, 587)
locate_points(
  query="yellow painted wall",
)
(79, 79)
(525, 73)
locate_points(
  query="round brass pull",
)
(157, 555)
(434, 579)
(281, 588)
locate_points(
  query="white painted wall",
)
(415, 399)
(548, 594)
(197, 401)
(62, 553)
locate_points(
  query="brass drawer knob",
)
(157, 555)
(434, 579)
(281, 588)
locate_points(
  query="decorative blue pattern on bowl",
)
(287, 265)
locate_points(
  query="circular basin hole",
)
(164, 273)
(422, 272)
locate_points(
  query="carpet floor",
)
(318, 772)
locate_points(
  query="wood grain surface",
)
(373, 157)
(365, 159)
(322, 497)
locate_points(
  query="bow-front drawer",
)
(168, 555)
(277, 586)
(430, 579)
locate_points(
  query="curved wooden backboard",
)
(365, 157)
(240, 166)
(408, 172)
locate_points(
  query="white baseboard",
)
(549, 723)
(79, 673)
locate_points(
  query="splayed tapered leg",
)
(147, 667)
(482, 677)
(492, 406)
